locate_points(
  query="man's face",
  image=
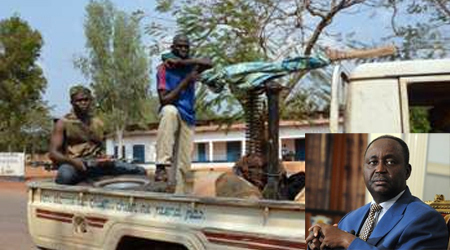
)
(81, 102)
(385, 169)
(180, 48)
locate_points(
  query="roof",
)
(401, 68)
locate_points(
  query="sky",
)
(60, 23)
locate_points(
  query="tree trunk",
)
(119, 138)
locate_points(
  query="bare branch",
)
(291, 84)
(394, 15)
(264, 23)
(442, 6)
(348, 4)
(308, 7)
(300, 8)
(326, 20)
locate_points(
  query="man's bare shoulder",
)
(98, 122)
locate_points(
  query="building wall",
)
(437, 178)
(219, 135)
(148, 141)
(217, 138)
(295, 131)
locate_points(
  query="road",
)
(13, 217)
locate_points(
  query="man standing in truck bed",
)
(176, 77)
(76, 145)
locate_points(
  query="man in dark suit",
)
(395, 219)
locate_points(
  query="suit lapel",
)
(390, 219)
(361, 218)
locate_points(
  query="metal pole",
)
(273, 170)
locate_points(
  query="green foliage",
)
(38, 129)
(209, 106)
(24, 117)
(418, 118)
(421, 27)
(117, 65)
(164, 5)
(226, 31)
(234, 31)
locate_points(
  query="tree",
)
(232, 31)
(38, 128)
(22, 85)
(116, 65)
(421, 27)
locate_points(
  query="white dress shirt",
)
(386, 205)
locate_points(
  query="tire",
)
(126, 182)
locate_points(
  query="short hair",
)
(405, 149)
(79, 89)
(180, 37)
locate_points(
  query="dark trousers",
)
(69, 175)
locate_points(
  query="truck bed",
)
(82, 217)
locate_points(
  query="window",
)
(139, 153)
(299, 150)
(201, 153)
(116, 152)
(233, 151)
(428, 104)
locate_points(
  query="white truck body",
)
(77, 217)
(376, 97)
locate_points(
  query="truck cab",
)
(384, 97)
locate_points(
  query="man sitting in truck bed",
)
(76, 145)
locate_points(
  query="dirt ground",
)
(13, 216)
(13, 210)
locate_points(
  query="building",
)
(217, 145)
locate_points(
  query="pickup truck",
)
(382, 97)
(119, 216)
(93, 217)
